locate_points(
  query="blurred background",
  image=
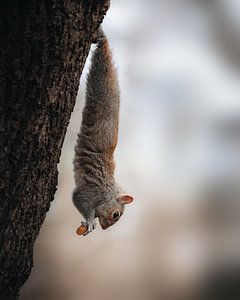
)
(178, 154)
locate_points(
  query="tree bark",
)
(43, 48)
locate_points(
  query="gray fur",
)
(96, 191)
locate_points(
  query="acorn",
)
(81, 230)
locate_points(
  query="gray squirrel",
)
(96, 194)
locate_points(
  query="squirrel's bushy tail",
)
(99, 130)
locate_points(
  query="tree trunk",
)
(43, 48)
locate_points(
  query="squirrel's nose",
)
(104, 224)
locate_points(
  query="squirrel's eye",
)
(116, 214)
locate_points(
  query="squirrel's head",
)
(110, 214)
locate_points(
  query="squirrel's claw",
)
(91, 225)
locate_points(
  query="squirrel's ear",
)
(125, 199)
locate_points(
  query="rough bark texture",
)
(43, 48)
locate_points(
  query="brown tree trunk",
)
(43, 48)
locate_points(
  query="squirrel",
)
(96, 194)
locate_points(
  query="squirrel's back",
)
(97, 140)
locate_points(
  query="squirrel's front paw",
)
(90, 225)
